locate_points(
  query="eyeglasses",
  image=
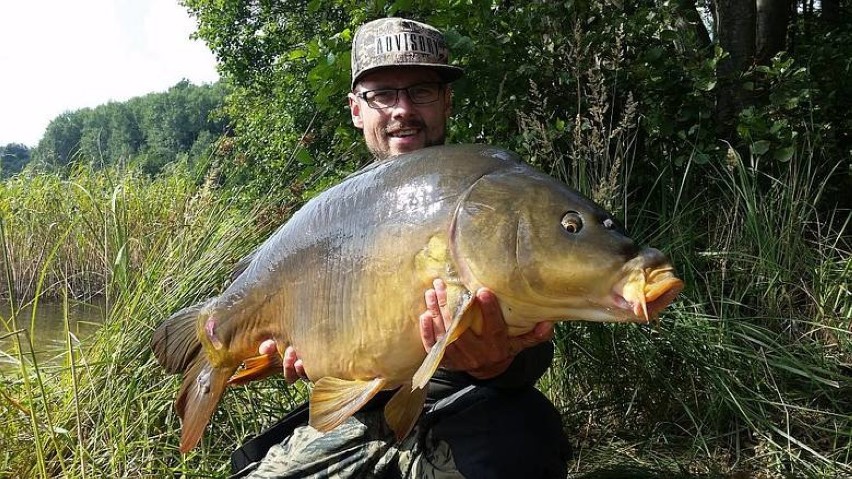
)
(419, 94)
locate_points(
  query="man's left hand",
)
(484, 355)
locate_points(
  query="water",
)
(48, 336)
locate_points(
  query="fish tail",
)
(178, 349)
(175, 342)
(202, 388)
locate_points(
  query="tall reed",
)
(149, 246)
(748, 373)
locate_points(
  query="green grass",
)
(106, 410)
(749, 373)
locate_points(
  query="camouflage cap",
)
(398, 42)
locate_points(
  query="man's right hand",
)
(293, 368)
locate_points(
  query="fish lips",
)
(648, 285)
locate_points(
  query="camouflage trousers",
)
(360, 447)
(477, 432)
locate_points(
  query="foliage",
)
(104, 215)
(103, 408)
(13, 158)
(745, 374)
(528, 64)
(158, 127)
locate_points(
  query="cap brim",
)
(448, 73)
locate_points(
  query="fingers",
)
(483, 354)
(493, 323)
(291, 372)
(293, 367)
(435, 320)
(300, 369)
(542, 332)
(267, 347)
(427, 331)
(444, 309)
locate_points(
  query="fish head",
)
(549, 253)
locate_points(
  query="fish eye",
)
(572, 222)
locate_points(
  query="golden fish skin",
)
(342, 281)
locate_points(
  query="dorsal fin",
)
(242, 265)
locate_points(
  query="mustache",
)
(402, 125)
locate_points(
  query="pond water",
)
(49, 334)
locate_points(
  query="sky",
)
(60, 55)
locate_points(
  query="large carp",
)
(343, 281)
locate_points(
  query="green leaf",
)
(668, 35)
(760, 147)
(705, 84)
(653, 54)
(304, 157)
(701, 158)
(784, 154)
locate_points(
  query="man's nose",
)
(404, 106)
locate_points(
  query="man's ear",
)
(355, 110)
(448, 101)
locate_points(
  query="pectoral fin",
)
(459, 300)
(333, 400)
(403, 409)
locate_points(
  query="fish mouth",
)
(648, 286)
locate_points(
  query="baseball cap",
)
(399, 42)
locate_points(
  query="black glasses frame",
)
(371, 102)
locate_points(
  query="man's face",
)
(405, 126)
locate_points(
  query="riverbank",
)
(748, 373)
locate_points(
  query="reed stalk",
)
(748, 373)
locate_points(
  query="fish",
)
(343, 281)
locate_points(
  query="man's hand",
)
(293, 368)
(483, 355)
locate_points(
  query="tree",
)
(61, 140)
(736, 33)
(542, 78)
(773, 17)
(159, 126)
(13, 158)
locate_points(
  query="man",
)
(484, 417)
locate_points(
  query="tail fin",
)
(178, 349)
(175, 342)
(200, 392)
